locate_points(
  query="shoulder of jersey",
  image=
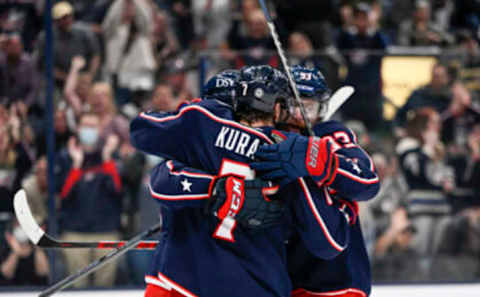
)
(215, 106)
(330, 127)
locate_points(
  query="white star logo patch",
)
(355, 166)
(186, 185)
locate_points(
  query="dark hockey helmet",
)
(222, 86)
(313, 90)
(260, 87)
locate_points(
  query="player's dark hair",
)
(247, 114)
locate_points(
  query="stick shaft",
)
(283, 58)
(100, 262)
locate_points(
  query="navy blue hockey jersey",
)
(190, 259)
(356, 180)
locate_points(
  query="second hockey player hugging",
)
(196, 191)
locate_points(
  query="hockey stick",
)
(41, 239)
(283, 58)
(337, 99)
(132, 243)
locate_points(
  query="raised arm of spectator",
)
(125, 11)
(69, 90)
(143, 16)
(42, 268)
(398, 222)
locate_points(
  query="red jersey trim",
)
(175, 286)
(208, 114)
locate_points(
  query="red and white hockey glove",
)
(297, 156)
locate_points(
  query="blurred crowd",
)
(114, 58)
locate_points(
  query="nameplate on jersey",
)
(237, 141)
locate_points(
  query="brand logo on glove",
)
(313, 155)
(230, 209)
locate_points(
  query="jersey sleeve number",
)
(225, 229)
(341, 139)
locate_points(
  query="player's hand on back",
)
(249, 202)
(296, 156)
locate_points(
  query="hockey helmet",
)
(313, 90)
(222, 86)
(260, 87)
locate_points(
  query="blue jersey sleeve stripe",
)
(176, 286)
(176, 197)
(318, 217)
(208, 114)
(367, 181)
(187, 173)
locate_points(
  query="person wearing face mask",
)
(430, 180)
(91, 196)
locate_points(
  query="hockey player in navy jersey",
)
(213, 255)
(347, 275)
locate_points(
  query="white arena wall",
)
(437, 290)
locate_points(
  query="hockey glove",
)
(245, 201)
(297, 156)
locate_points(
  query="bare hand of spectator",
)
(433, 36)
(22, 110)
(474, 143)
(126, 149)
(76, 152)
(399, 220)
(110, 146)
(21, 250)
(15, 123)
(78, 62)
(128, 11)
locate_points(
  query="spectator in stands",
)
(460, 117)
(392, 193)
(23, 18)
(366, 104)
(163, 99)
(457, 259)
(182, 14)
(21, 77)
(394, 259)
(102, 103)
(70, 40)
(91, 196)
(419, 30)
(129, 58)
(14, 159)
(176, 73)
(435, 94)
(301, 52)
(22, 264)
(464, 161)
(77, 86)
(256, 46)
(211, 22)
(422, 160)
(62, 133)
(469, 59)
(35, 185)
(165, 43)
(312, 17)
